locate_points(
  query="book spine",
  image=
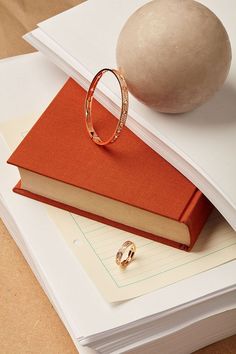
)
(195, 216)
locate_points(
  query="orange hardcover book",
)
(125, 184)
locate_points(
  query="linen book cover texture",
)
(58, 146)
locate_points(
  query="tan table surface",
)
(28, 322)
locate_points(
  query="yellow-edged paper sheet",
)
(155, 265)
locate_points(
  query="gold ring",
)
(124, 107)
(120, 254)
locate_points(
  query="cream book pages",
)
(201, 144)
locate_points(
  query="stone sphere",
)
(174, 54)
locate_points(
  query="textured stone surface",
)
(174, 54)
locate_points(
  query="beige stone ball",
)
(174, 54)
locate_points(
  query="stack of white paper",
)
(177, 319)
(201, 144)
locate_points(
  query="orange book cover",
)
(58, 146)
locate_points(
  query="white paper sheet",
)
(76, 297)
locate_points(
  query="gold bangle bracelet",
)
(124, 107)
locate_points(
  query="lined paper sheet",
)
(155, 265)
